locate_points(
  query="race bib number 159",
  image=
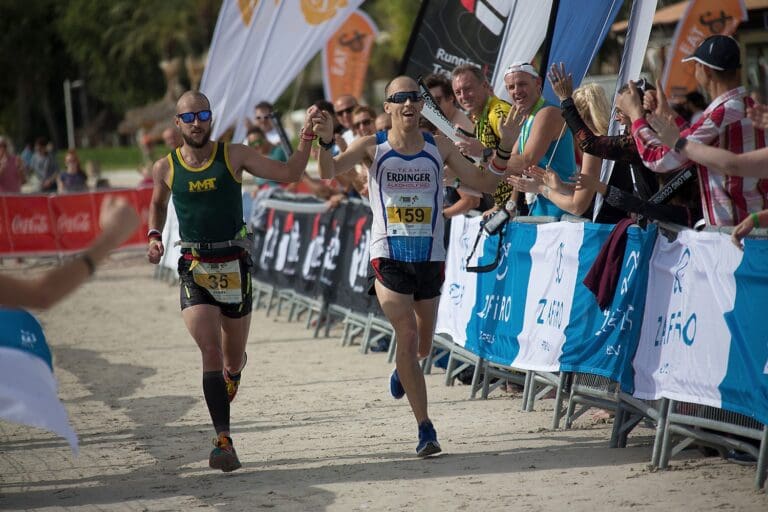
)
(409, 220)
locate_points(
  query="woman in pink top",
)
(11, 176)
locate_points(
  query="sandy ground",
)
(314, 426)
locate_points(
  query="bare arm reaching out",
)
(118, 221)
(359, 149)
(487, 179)
(753, 164)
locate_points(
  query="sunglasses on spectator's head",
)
(363, 122)
(189, 117)
(402, 97)
(345, 111)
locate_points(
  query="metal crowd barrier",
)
(677, 425)
(693, 423)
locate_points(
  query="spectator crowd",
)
(659, 170)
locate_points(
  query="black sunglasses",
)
(189, 117)
(402, 97)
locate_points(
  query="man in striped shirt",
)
(726, 200)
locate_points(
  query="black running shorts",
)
(193, 294)
(423, 280)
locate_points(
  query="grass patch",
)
(113, 158)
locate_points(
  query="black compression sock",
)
(215, 391)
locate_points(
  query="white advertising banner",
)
(458, 298)
(554, 268)
(685, 340)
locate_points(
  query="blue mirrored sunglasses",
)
(402, 97)
(189, 117)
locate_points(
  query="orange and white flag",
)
(346, 56)
(258, 48)
(702, 18)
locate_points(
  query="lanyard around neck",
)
(526, 131)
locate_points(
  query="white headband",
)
(522, 66)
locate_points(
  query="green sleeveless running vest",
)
(208, 199)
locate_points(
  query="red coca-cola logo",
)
(37, 224)
(77, 223)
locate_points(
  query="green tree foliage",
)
(113, 45)
(33, 59)
(395, 19)
(118, 44)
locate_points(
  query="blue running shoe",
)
(428, 444)
(395, 386)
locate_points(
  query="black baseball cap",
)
(718, 52)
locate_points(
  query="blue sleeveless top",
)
(563, 163)
(20, 330)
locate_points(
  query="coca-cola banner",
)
(143, 198)
(76, 220)
(5, 234)
(52, 225)
(29, 223)
(140, 201)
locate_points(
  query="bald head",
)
(403, 83)
(345, 101)
(192, 101)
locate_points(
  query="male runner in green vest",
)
(204, 177)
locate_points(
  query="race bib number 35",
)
(221, 280)
(409, 220)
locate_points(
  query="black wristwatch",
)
(487, 154)
(325, 145)
(680, 144)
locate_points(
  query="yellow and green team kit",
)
(208, 199)
(487, 132)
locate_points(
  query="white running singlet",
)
(406, 197)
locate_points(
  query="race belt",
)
(243, 244)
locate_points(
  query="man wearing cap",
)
(544, 140)
(726, 201)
